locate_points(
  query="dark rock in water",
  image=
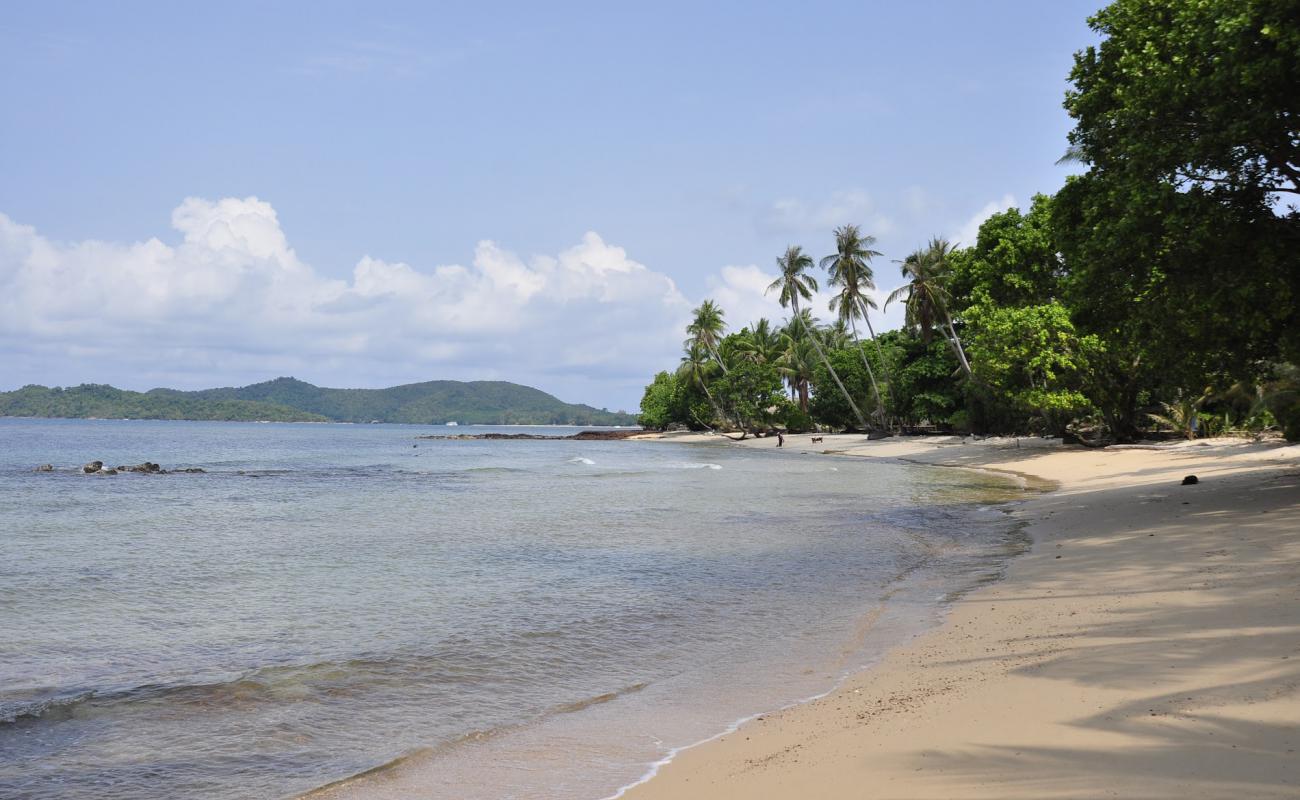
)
(109, 471)
(1189, 480)
(148, 467)
(625, 433)
(45, 468)
(94, 466)
(580, 436)
(190, 470)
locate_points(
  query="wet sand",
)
(1148, 646)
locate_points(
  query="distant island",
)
(292, 400)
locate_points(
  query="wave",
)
(267, 683)
(581, 460)
(472, 737)
(595, 700)
(695, 466)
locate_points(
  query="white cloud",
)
(232, 302)
(969, 232)
(917, 201)
(849, 206)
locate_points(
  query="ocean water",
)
(478, 619)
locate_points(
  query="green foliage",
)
(657, 404)
(960, 421)
(797, 420)
(1033, 359)
(291, 400)
(1013, 262)
(925, 386)
(1280, 396)
(751, 393)
(1171, 264)
(97, 401)
(829, 405)
(1192, 93)
(1177, 254)
(1183, 416)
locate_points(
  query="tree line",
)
(1156, 291)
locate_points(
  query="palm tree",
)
(793, 283)
(706, 330)
(926, 295)
(763, 345)
(1183, 415)
(849, 269)
(796, 366)
(696, 367)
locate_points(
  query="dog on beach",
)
(817, 440)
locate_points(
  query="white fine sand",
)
(1147, 647)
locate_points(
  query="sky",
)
(363, 195)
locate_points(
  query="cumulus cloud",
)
(793, 216)
(232, 302)
(969, 232)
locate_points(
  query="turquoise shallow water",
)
(525, 619)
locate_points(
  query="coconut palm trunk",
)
(857, 412)
(880, 351)
(714, 352)
(956, 343)
(875, 388)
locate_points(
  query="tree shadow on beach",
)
(1221, 631)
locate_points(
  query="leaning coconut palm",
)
(793, 283)
(697, 367)
(926, 297)
(849, 268)
(796, 366)
(706, 330)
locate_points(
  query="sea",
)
(444, 618)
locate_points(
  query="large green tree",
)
(1013, 262)
(1181, 242)
(1196, 93)
(1031, 359)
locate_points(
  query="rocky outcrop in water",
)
(580, 436)
(147, 466)
(144, 468)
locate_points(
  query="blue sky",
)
(532, 192)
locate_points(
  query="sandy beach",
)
(1148, 646)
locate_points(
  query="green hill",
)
(98, 400)
(292, 400)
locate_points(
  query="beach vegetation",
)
(1157, 291)
(794, 283)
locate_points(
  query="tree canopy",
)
(1157, 290)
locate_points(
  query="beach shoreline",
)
(1147, 644)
